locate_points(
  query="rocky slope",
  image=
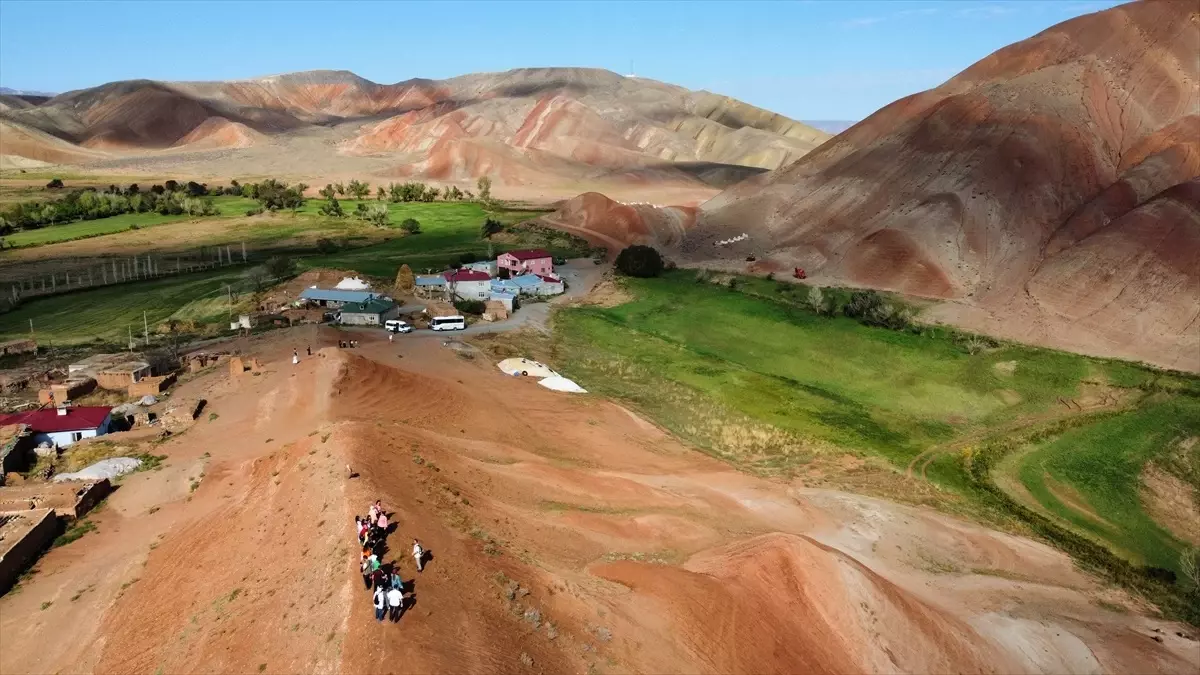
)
(1049, 192)
(521, 126)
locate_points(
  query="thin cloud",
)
(861, 22)
(987, 11)
(923, 11)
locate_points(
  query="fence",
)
(111, 271)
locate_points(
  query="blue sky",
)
(807, 60)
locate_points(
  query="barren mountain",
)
(1049, 192)
(519, 127)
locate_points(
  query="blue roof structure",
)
(504, 286)
(501, 295)
(331, 295)
(433, 280)
(526, 281)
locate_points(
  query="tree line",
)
(92, 204)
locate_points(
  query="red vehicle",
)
(799, 273)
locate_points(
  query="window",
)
(76, 436)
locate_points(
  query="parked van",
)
(456, 322)
(397, 326)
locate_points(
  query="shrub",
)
(491, 226)
(411, 226)
(640, 261)
(257, 210)
(54, 184)
(468, 258)
(326, 246)
(332, 208)
(280, 266)
(475, 307)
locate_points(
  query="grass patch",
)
(74, 532)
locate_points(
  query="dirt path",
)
(567, 535)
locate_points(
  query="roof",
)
(502, 295)
(437, 280)
(125, 367)
(527, 280)
(336, 295)
(375, 306)
(549, 280)
(48, 421)
(529, 253)
(461, 275)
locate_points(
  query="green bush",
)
(475, 307)
(411, 226)
(639, 261)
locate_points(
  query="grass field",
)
(229, 206)
(107, 314)
(1089, 476)
(750, 376)
(833, 380)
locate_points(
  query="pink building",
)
(519, 262)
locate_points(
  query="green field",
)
(751, 376)
(1101, 463)
(229, 207)
(107, 314)
(829, 379)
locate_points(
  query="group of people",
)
(383, 580)
(347, 343)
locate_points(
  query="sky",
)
(838, 60)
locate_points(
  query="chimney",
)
(62, 410)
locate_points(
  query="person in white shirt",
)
(395, 600)
(380, 604)
(418, 555)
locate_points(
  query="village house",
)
(488, 267)
(535, 284)
(64, 425)
(469, 284)
(508, 300)
(429, 286)
(335, 298)
(535, 260)
(370, 313)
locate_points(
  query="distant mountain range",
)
(5, 91)
(527, 127)
(834, 127)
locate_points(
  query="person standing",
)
(395, 601)
(418, 555)
(310, 350)
(382, 524)
(365, 568)
(380, 604)
(295, 357)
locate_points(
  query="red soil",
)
(536, 507)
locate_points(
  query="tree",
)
(54, 184)
(359, 189)
(302, 188)
(250, 190)
(377, 214)
(326, 192)
(235, 188)
(171, 186)
(639, 261)
(380, 193)
(816, 300)
(280, 266)
(490, 226)
(468, 258)
(326, 246)
(411, 226)
(195, 189)
(132, 190)
(293, 198)
(453, 193)
(485, 188)
(258, 278)
(360, 211)
(405, 281)
(156, 189)
(173, 329)
(340, 189)
(332, 208)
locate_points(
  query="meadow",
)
(230, 207)
(750, 375)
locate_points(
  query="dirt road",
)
(567, 535)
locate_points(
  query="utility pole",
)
(31, 335)
(229, 296)
(243, 251)
(130, 339)
(146, 327)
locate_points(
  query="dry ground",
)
(567, 535)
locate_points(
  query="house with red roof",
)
(63, 426)
(521, 261)
(468, 284)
